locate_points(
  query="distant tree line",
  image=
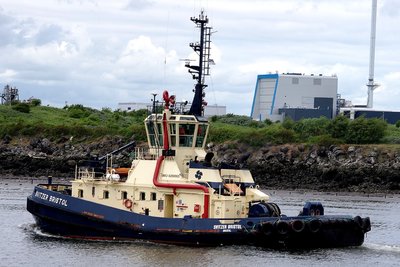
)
(315, 130)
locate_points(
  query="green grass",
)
(55, 122)
(79, 121)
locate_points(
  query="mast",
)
(371, 85)
(199, 71)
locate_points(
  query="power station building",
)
(294, 95)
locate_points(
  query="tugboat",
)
(172, 193)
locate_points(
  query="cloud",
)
(391, 8)
(99, 53)
(7, 75)
(48, 33)
(139, 4)
(390, 86)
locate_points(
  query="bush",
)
(366, 131)
(106, 110)
(268, 122)
(398, 124)
(35, 102)
(306, 128)
(138, 131)
(22, 107)
(288, 123)
(279, 135)
(237, 120)
(391, 140)
(140, 113)
(325, 140)
(79, 111)
(275, 134)
(338, 126)
(220, 133)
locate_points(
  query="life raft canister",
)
(128, 203)
(312, 209)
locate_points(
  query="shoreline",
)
(337, 168)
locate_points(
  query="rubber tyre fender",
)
(366, 224)
(314, 225)
(267, 228)
(359, 221)
(298, 226)
(282, 227)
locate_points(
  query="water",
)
(22, 244)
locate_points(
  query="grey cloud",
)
(139, 4)
(25, 32)
(48, 33)
(391, 8)
(77, 54)
(6, 27)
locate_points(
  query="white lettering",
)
(53, 199)
(227, 226)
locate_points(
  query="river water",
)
(22, 244)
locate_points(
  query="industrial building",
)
(390, 116)
(131, 106)
(294, 95)
(9, 95)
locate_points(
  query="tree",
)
(36, 102)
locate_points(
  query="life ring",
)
(128, 203)
(298, 226)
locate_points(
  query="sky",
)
(99, 53)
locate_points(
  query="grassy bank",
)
(80, 121)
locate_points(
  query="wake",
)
(380, 247)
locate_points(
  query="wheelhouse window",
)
(155, 133)
(106, 194)
(80, 193)
(160, 134)
(142, 196)
(186, 133)
(172, 130)
(151, 132)
(201, 135)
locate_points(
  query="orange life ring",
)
(128, 203)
